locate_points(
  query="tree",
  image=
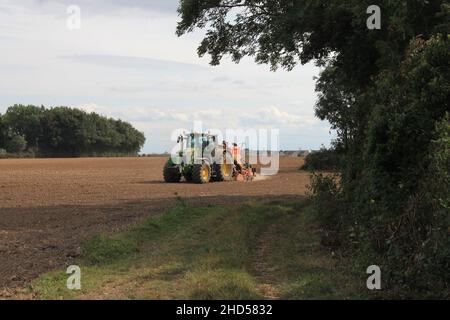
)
(15, 143)
(2, 132)
(25, 120)
(63, 131)
(285, 32)
(383, 91)
(332, 33)
(394, 196)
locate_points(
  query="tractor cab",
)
(199, 141)
(196, 147)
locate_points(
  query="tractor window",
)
(194, 141)
(190, 142)
(199, 141)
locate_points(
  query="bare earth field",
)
(49, 206)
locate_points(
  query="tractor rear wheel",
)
(224, 172)
(201, 173)
(171, 174)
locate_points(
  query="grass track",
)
(247, 251)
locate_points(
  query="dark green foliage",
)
(396, 211)
(25, 120)
(3, 132)
(399, 155)
(63, 131)
(324, 159)
(284, 32)
(15, 143)
(436, 190)
(326, 200)
(10, 140)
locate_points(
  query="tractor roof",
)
(201, 134)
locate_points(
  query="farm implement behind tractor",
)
(202, 159)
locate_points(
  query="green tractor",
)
(201, 159)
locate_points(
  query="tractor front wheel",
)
(201, 173)
(171, 174)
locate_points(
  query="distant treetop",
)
(63, 131)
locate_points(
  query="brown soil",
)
(49, 206)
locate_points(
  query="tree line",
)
(65, 132)
(386, 94)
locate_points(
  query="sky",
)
(126, 62)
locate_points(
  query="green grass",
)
(248, 251)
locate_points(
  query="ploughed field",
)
(49, 206)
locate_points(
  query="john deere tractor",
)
(201, 159)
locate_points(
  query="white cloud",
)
(269, 117)
(274, 116)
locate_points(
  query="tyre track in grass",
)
(264, 274)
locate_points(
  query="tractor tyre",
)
(224, 172)
(201, 173)
(171, 174)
